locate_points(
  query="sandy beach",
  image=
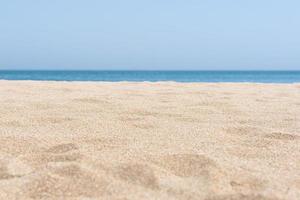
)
(210, 141)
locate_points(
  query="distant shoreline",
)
(150, 70)
(153, 76)
(152, 82)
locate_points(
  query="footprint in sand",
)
(246, 184)
(67, 181)
(208, 174)
(59, 153)
(187, 165)
(139, 174)
(62, 148)
(4, 173)
(282, 136)
(13, 168)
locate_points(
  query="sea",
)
(154, 76)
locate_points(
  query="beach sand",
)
(210, 141)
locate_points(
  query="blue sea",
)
(178, 76)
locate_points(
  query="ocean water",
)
(178, 76)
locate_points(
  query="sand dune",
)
(75, 140)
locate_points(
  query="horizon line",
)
(151, 70)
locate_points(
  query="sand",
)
(222, 141)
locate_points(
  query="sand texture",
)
(223, 141)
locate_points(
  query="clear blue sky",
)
(150, 34)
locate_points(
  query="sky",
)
(150, 34)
